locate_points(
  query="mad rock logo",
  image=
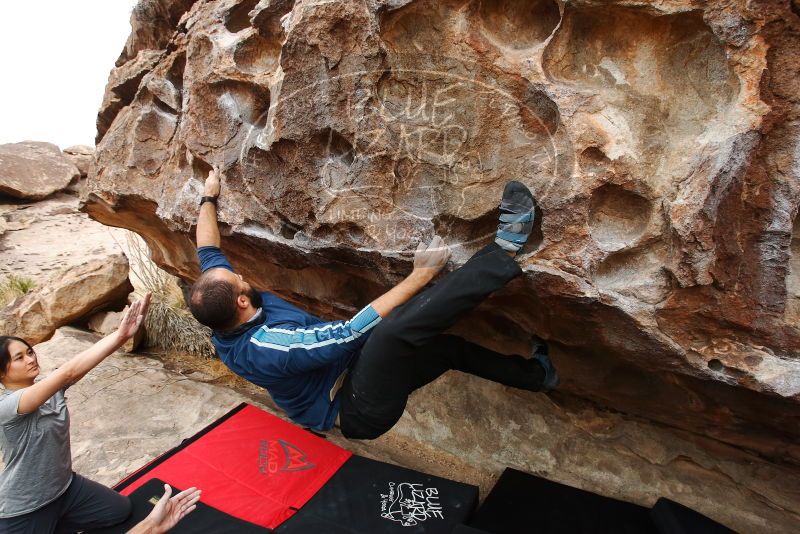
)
(410, 504)
(276, 456)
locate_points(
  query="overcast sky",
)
(55, 56)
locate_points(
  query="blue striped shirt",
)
(294, 355)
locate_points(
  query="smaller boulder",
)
(32, 170)
(105, 323)
(67, 297)
(81, 156)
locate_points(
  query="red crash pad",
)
(249, 464)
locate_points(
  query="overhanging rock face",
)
(662, 142)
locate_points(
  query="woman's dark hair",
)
(5, 353)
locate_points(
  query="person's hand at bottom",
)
(168, 511)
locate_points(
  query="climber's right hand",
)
(431, 258)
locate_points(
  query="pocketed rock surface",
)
(659, 138)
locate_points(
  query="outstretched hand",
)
(211, 187)
(431, 258)
(133, 318)
(169, 510)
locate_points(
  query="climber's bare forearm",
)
(207, 228)
(402, 292)
(428, 261)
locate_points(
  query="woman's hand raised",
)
(133, 318)
(76, 368)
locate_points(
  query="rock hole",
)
(617, 217)
(176, 70)
(336, 146)
(125, 93)
(238, 17)
(127, 90)
(402, 170)
(795, 5)
(715, 365)
(539, 113)
(153, 131)
(336, 155)
(164, 107)
(537, 236)
(200, 168)
(342, 232)
(245, 100)
(256, 55)
(637, 273)
(224, 109)
(753, 361)
(593, 160)
(324, 232)
(519, 24)
(268, 19)
(471, 234)
(289, 230)
(167, 89)
(416, 27)
(593, 156)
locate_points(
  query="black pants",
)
(408, 350)
(85, 505)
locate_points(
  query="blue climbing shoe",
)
(516, 217)
(541, 355)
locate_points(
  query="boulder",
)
(50, 235)
(107, 322)
(659, 138)
(33, 170)
(81, 156)
(67, 297)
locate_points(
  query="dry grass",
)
(169, 326)
(14, 286)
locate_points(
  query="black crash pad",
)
(370, 497)
(464, 529)
(524, 504)
(671, 517)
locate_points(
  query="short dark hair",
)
(5, 352)
(213, 302)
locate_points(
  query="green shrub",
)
(169, 325)
(13, 286)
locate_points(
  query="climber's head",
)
(222, 300)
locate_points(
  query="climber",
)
(358, 374)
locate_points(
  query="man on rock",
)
(358, 374)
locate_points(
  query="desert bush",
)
(169, 326)
(13, 286)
